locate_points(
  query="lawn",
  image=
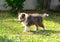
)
(12, 31)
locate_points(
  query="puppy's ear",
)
(23, 15)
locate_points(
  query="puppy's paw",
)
(24, 31)
(35, 30)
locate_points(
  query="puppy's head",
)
(22, 17)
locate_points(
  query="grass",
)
(12, 31)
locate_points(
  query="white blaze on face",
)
(19, 17)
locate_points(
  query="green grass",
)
(12, 31)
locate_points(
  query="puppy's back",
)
(41, 15)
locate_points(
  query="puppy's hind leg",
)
(41, 25)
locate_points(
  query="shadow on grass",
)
(5, 39)
(46, 32)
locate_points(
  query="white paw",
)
(24, 31)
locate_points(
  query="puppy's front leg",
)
(26, 29)
(36, 27)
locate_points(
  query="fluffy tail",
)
(45, 14)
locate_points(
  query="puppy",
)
(31, 19)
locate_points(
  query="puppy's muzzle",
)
(19, 20)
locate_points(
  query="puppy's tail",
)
(45, 14)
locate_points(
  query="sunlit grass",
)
(12, 31)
